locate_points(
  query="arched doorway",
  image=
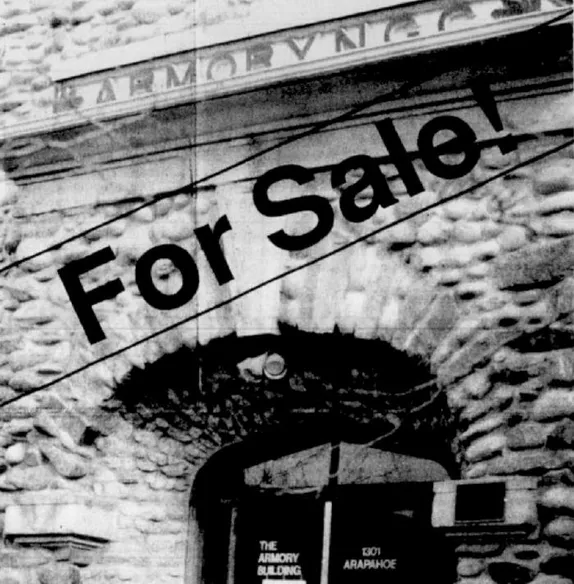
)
(334, 513)
(351, 424)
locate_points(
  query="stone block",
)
(554, 403)
(526, 297)
(562, 201)
(558, 225)
(464, 208)
(475, 351)
(31, 246)
(25, 380)
(554, 176)
(26, 358)
(562, 297)
(33, 457)
(496, 401)
(12, 577)
(479, 549)
(67, 464)
(470, 567)
(535, 264)
(59, 574)
(147, 12)
(63, 423)
(483, 426)
(47, 424)
(18, 428)
(527, 461)
(485, 447)
(561, 367)
(146, 465)
(448, 276)
(436, 230)
(546, 579)
(175, 470)
(562, 435)
(559, 497)
(478, 383)
(560, 531)
(59, 519)
(527, 435)
(24, 558)
(27, 478)
(513, 237)
(15, 453)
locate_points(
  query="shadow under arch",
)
(223, 471)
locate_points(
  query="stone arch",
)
(235, 416)
(397, 305)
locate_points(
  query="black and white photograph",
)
(286, 292)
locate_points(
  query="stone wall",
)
(478, 291)
(37, 36)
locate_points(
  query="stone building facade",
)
(426, 368)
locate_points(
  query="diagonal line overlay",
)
(307, 264)
(407, 86)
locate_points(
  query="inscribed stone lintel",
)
(76, 550)
(75, 530)
(107, 186)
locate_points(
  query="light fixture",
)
(274, 367)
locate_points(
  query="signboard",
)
(367, 540)
(375, 552)
(371, 545)
(300, 52)
(279, 541)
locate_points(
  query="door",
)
(360, 534)
(383, 536)
(278, 539)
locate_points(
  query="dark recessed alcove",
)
(351, 389)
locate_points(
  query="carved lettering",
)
(106, 93)
(458, 10)
(221, 62)
(516, 8)
(402, 23)
(344, 43)
(66, 98)
(300, 52)
(259, 56)
(174, 81)
(141, 82)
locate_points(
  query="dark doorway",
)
(292, 520)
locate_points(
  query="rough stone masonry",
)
(480, 290)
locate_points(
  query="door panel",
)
(279, 541)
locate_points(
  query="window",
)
(481, 502)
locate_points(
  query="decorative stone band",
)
(108, 86)
(76, 530)
(488, 507)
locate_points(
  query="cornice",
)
(267, 60)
